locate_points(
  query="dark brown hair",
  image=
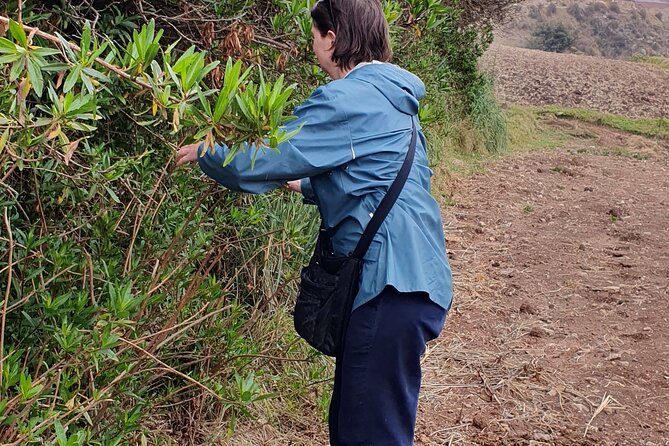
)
(360, 27)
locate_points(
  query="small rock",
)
(588, 189)
(613, 357)
(479, 421)
(539, 436)
(538, 332)
(617, 212)
(581, 247)
(495, 263)
(527, 308)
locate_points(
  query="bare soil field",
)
(532, 77)
(560, 330)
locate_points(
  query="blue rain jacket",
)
(355, 136)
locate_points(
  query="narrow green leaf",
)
(174, 76)
(55, 67)
(221, 106)
(208, 68)
(45, 51)
(72, 78)
(112, 194)
(205, 102)
(64, 44)
(87, 83)
(17, 70)
(9, 58)
(18, 33)
(35, 74)
(85, 39)
(60, 433)
(7, 46)
(96, 74)
(98, 52)
(185, 60)
(33, 392)
(25, 384)
(3, 140)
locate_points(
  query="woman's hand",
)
(187, 154)
(295, 185)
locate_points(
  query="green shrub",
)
(577, 11)
(554, 38)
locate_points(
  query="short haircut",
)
(360, 27)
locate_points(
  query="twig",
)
(172, 370)
(271, 42)
(9, 285)
(206, 266)
(606, 401)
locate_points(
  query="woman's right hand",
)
(187, 154)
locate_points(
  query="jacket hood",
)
(402, 88)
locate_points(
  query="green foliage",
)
(488, 117)
(656, 61)
(555, 38)
(651, 127)
(446, 56)
(106, 258)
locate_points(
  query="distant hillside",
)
(613, 29)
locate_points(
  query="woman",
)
(355, 135)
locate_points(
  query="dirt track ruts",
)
(561, 263)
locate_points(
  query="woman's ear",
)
(331, 36)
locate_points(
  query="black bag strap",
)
(388, 200)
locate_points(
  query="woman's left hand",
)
(295, 186)
(187, 154)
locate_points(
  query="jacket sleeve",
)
(309, 197)
(322, 144)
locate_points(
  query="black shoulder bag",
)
(330, 283)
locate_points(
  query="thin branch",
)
(174, 371)
(9, 285)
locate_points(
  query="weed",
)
(651, 127)
(657, 61)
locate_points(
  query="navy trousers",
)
(377, 377)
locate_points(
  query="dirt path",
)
(534, 77)
(561, 320)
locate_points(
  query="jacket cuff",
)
(307, 191)
(212, 163)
